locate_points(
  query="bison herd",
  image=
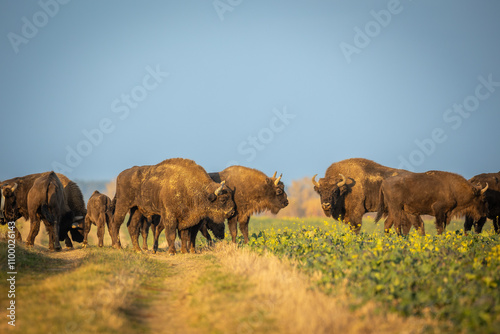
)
(179, 196)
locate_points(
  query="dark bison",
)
(492, 195)
(439, 194)
(8, 205)
(46, 202)
(99, 213)
(73, 197)
(351, 188)
(254, 192)
(178, 190)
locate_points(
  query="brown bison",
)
(492, 198)
(46, 202)
(99, 213)
(254, 192)
(73, 197)
(351, 188)
(439, 194)
(178, 190)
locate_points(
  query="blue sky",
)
(91, 88)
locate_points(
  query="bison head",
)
(8, 204)
(275, 193)
(223, 206)
(218, 229)
(479, 205)
(331, 193)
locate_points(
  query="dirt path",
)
(233, 290)
(170, 312)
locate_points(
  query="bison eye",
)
(279, 192)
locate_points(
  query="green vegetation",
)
(452, 278)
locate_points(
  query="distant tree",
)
(110, 188)
(303, 200)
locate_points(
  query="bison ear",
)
(212, 197)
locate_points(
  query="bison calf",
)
(99, 213)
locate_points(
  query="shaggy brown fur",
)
(439, 194)
(492, 198)
(99, 213)
(351, 188)
(46, 202)
(254, 192)
(178, 190)
(73, 196)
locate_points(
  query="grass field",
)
(320, 279)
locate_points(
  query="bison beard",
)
(351, 188)
(178, 190)
(439, 194)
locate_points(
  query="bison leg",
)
(86, 230)
(389, 222)
(170, 224)
(101, 228)
(145, 225)
(157, 229)
(203, 227)
(244, 229)
(469, 222)
(184, 234)
(193, 232)
(496, 225)
(134, 228)
(52, 228)
(478, 226)
(118, 218)
(232, 223)
(34, 229)
(354, 222)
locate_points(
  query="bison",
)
(492, 198)
(351, 188)
(178, 190)
(99, 213)
(436, 193)
(254, 192)
(46, 202)
(73, 197)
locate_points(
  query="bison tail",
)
(382, 210)
(112, 206)
(47, 214)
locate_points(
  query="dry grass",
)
(281, 290)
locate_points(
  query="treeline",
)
(303, 200)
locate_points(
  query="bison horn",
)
(278, 180)
(274, 175)
(341, 183)
(485, 188)
(218, 190)
(14, 187)
(316, 184)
